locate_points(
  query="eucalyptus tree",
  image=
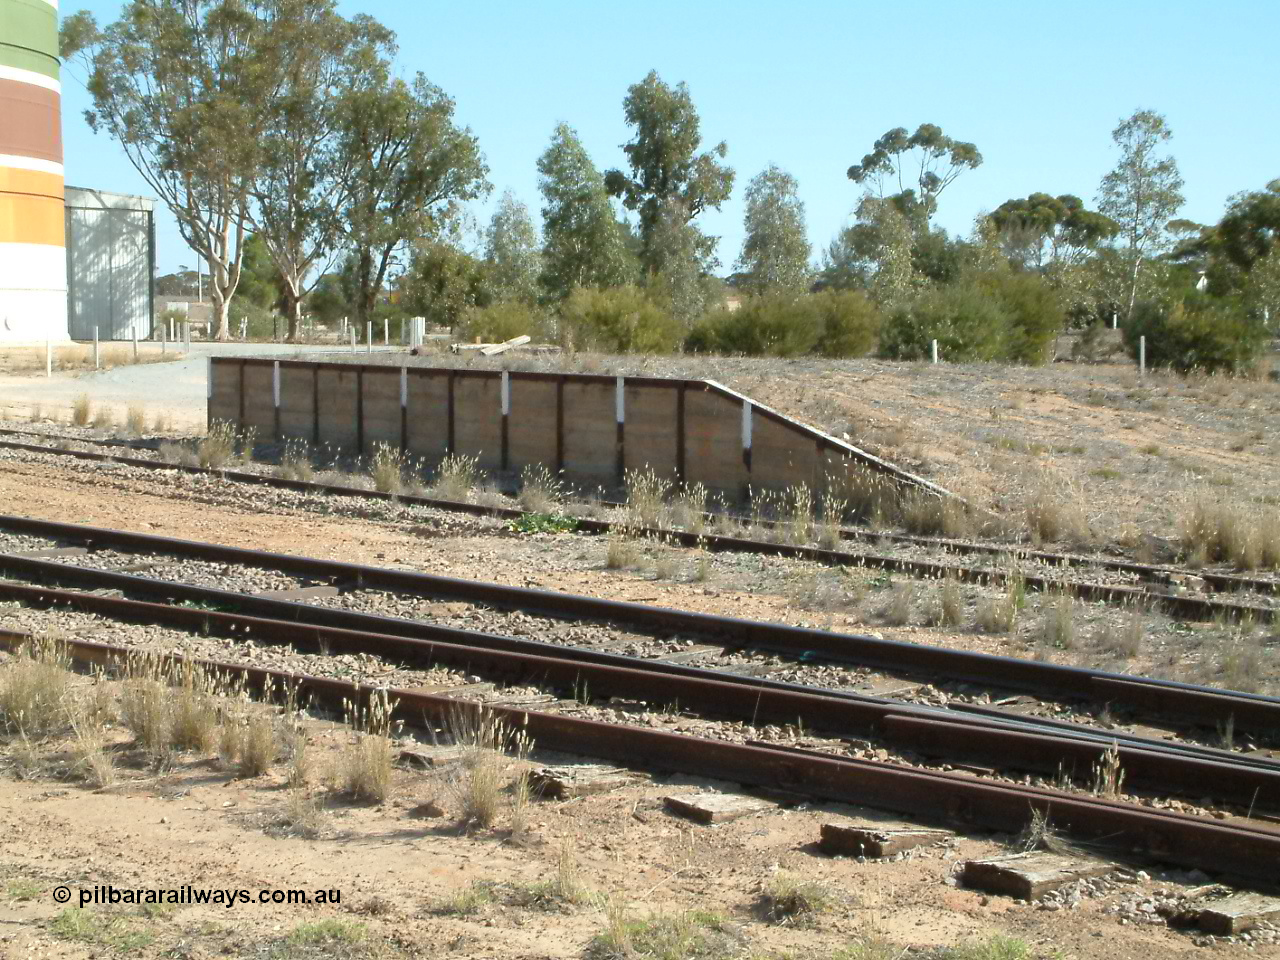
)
(670, 183)
(1143, 193)
(584, 244)
(920, 165)
(511, 252)
(1043, 231)
(190, 90)
(410, 166)
(306, 178)
(775, 252)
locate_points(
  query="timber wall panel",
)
(224, 400)
(651, 431)
(259, 399)
(297, 402)
(381, 407)
(532, 426)
(713, 442)
(781, 457)
(590, 431)
(477, 419)
(338, 408)
(559, 420)
(427, 419)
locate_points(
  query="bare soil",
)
(199, 824)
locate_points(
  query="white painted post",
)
(368, 336)
(1115, 320)
(95, 348)
(164, 339)
(275, 384)
(506, 393)
(933, 347)
(48, 358)
(1142, 356)
(404, 387)
(134, 328)
(386, 331)
(746, 424)
(620, 401)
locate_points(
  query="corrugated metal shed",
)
(110, 260)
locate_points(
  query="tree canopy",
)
(775, 252)
(584, 243)
(921, 165)
(670, 183)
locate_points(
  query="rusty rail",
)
(1185, 605)
(1186, 701)
(1241, 850)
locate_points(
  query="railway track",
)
(965, 733)
(1243, 850)
(1158, 586)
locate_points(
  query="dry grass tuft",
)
(221, 445)
(104, 418)
(898, 612)
(366, 765)
(455, 478)
(34, 688)
(135, 423)
(1243, 535)
(947, 606)
(81, 411)
(1059, 622)
(622, 550)
(788, 898)
(295, 462)
(388, 468)
(486, 742)
(647, 497)
(540, 490)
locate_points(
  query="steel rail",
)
(1188, 701)
(1242, 850)
(398, 637)
(1190, 606)
(1156, 573)
(716, 694)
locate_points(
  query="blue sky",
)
(810, 85)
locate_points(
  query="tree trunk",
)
(293, 312)
(221, 322)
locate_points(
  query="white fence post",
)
(134, 328)
(95, 348)
(352, 330)
(933, 347)
(368, 336)
(1142, 356)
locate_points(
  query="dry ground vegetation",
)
(1008, 620)
(152, 776)
(76, 358)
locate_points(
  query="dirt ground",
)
(408, 880)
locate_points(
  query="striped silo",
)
(33, 263)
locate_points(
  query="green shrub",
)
(1035, 313)
(995, 315)
(766, 326)
(833, 323)
(501, 322)
(968, 324)
(1201, 333)
(850, 323)
(618, 320)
